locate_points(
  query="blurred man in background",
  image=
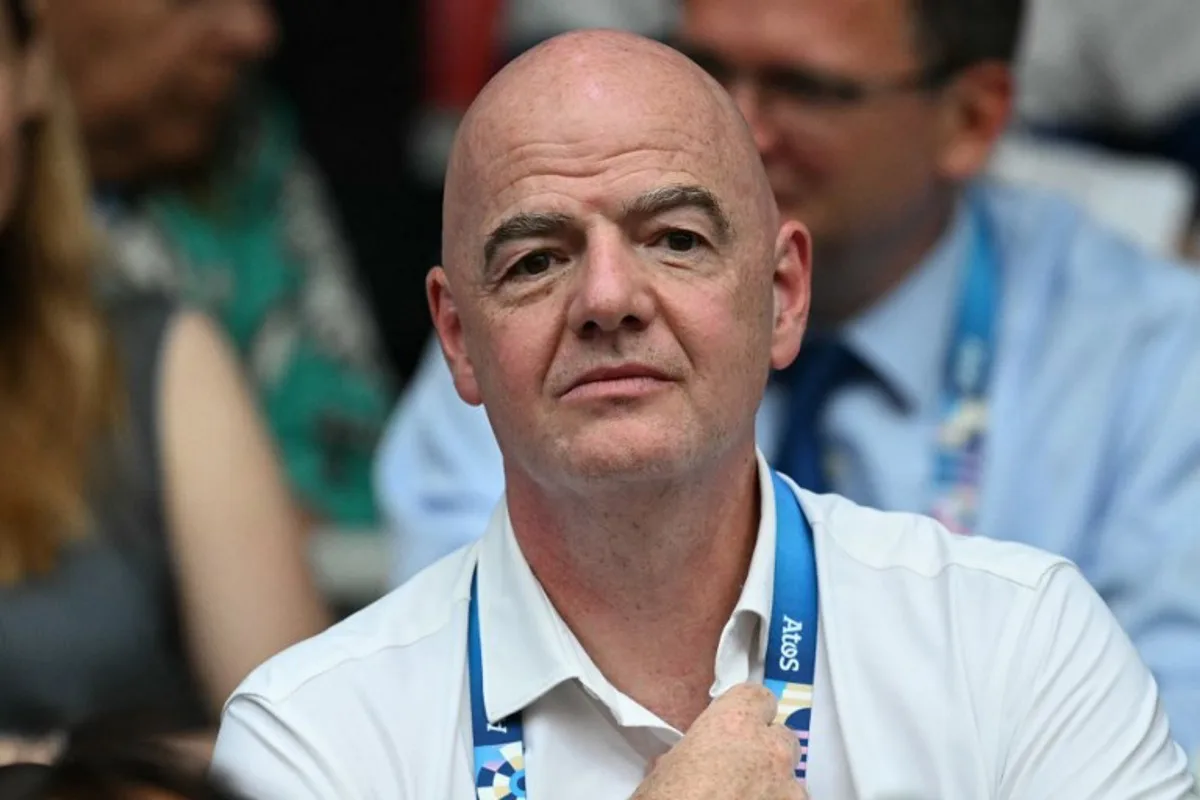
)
(209, 197)
(980, 352)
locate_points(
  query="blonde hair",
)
(59, 388)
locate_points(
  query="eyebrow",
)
(527, 225)
(532, 225)
(668, 198)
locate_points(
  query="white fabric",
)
(947, 667)
(1120, 63)
(531, 20)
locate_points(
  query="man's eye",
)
(532, 264)
(681, 241)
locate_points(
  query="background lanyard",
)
(961, 436)
(789, 670)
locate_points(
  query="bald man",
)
(616, 286)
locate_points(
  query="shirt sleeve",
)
(439, 472)
(1145, 553)
(1083, 715)
(261, 756)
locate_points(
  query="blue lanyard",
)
(962, 433)
(790, 667)
(499, 746)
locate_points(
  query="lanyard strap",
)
(962, 433)
(499, 748)
(791, 665)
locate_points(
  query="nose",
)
(612, 292)
(749, 102)
(247, 29)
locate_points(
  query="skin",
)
(237, 542)
(153, 80)
(735, 741)
(24, 96)
(876, 181)
(622, 486)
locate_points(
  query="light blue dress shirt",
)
(1093, 448)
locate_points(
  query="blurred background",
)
(276, 165)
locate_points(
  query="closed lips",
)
(623, 372)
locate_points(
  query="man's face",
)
(153, 79)
(846, 160)
(615, 292)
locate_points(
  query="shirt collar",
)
(743, 645)
(528, 650)
(903, 338)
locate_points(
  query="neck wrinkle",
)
(647, 580)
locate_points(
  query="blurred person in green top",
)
(208, 195)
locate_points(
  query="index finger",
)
(751, 699)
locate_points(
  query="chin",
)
(187, 156)
(641, 452)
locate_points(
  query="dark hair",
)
(104, 760)
(955, 34)
(18, 15)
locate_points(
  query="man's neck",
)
(853, 275)
(646, 576)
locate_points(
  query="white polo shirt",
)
(946, 668)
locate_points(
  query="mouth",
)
(624, 381)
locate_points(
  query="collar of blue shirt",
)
(900, 337)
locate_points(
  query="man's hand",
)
(732, 750)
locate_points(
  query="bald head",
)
(606, 210)
(598, 89)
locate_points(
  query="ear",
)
(977, 107)
(792, 287)
(37, 68)
(448, 324)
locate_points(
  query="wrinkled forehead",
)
(581, 152)
(594, 171)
